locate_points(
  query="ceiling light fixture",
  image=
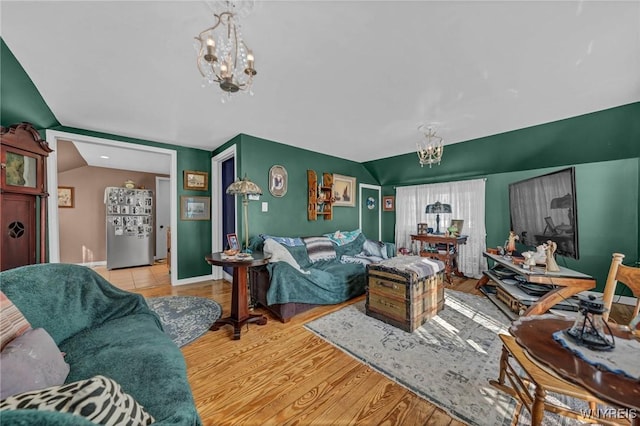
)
(430, 150)
(223, 56)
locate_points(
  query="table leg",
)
(239, 306)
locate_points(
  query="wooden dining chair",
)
(628, 275)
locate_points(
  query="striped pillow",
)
(12, 322)
(319, 248)
(98, 399)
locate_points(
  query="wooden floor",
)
(282, 374)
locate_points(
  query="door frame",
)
(379, 189)
(155, 219)
(53, 222)
(216, 203)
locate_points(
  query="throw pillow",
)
(319, 248)
(286, 241)
(343, 237)
(375, 248)
(29, 362)
(280, 254)
(12, 322)
(98, 399)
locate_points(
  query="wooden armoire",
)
(23, 196)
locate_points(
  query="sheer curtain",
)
(467, 203)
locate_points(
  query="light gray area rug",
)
(185, 318)
(447, 361)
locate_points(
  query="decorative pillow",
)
(287, 241)
(280, 254)
(29, 362)
(360, 259)
(375, 248)
(12, 322)
(98, 399)
(319, 248)
(342, 238)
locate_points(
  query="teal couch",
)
(103, 331)
(286, 291)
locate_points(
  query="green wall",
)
(287, 215)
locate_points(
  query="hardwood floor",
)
(282, 374)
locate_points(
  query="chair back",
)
(627, 275)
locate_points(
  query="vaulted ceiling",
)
(353, 79)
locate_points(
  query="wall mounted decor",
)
(278, 181)
(388, 203)
(198, 181)
(320, 196)
(195, 208)
(65, 196)
(344, 190)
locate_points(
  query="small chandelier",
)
(430, 150)
(224, 57)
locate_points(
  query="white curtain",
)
(467, 203)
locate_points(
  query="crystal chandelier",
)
(223, 56)
(430, 150)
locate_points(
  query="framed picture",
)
(344, 190)
(458, 223)
(232, 240)
(195, 208)
(65, 196)
(423, 228)
(278, 181)
(388, 203)
(198, 181)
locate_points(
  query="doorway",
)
(52, 137)
(163, 215)
(369, 211)
(223, 170)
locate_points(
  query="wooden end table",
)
(450, 257)
(239, 304)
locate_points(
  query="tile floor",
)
(136, 277)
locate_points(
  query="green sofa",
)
(103, 331)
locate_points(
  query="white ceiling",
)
(353, 79)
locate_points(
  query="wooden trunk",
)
(403, 299)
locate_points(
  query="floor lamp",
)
(245, 188)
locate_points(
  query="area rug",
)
(185, 318)
(447, 361)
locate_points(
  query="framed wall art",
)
(278, 181)
(198, 181)
(66, 196)
(388, 203)
(195, 208)
(344, 190)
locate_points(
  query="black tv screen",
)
(543, 208)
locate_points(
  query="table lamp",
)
(437, 208)
(245, 188)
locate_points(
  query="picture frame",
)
(66, 196)
(458, 223)
(196, 181)
(278, 180)
(344, 190)
(423, 228)
(232, 240)
(195, 208)
(388, 203)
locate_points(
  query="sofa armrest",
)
(391, 249)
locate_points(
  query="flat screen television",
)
(543, 208)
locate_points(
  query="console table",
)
(449, 257)
(239, 301)
(567, 283)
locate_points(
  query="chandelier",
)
(223, 56)
(430, 150)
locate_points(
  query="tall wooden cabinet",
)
(23, 195)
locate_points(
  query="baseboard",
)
(93, 264)
(193, 280)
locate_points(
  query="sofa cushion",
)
(285, 241)
(375, 248)
(98, 399)
(319, 248)
(137, 354)
(280, 254)
(12, 322)
(341, 238)
(29, 362)
(352, 248)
